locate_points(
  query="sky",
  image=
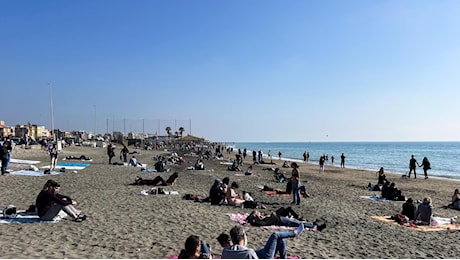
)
(235, 71)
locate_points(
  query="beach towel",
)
(148, 170)
(226, 163)
(25, 217)
(275, 193)
(219, 257)
(378, 198)
(20, 161)
(153, 191)
(33, 173)
(443, 224)
(69, 166)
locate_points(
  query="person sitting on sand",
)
(248, 171)
(157, 180)
(224, 240)
(391, 192)
(195, 249)
(234, 167)
(49, 203)
(257, 218)
(455, 201)
(159, 166)
(382, 177)
(279, 176)
(424, 213)
(286, 165)
(275, 244)
(199, 165)
(217, 192)
(133, 162)
(409, 209)
(232, 197)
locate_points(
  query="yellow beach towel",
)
(443, 226)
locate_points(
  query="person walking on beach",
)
(426, 166)
(254, 156)
(279, 155)
(124, 152)
(9, 148)
(53, 156)
(295, 180)
(305, 157)
(342, 161)
(110, 152)
(412, 166)
(322, 159)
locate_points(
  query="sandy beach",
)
(124, 224)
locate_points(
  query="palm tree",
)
(181, 130)
(168, 130)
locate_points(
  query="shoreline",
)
(367, 156)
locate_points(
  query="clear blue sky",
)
(238, 70)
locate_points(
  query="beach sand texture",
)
(124, 224)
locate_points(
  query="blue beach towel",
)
(23, 217)
(33, 173)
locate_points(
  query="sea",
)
(392, 156)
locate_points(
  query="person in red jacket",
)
(49, 203)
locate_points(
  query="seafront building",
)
(32, 134)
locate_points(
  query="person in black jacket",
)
(49, 203)
(409, 208)
(3, 157)
(257, 218)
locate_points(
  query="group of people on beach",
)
(235, 244)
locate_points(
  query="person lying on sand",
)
(81, 158)
(303, 189)
(157, 180)
(275, 244)
(257, 218)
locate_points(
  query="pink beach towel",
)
(219, 257)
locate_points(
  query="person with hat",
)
(49, 203)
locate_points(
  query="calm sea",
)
(393, 156)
